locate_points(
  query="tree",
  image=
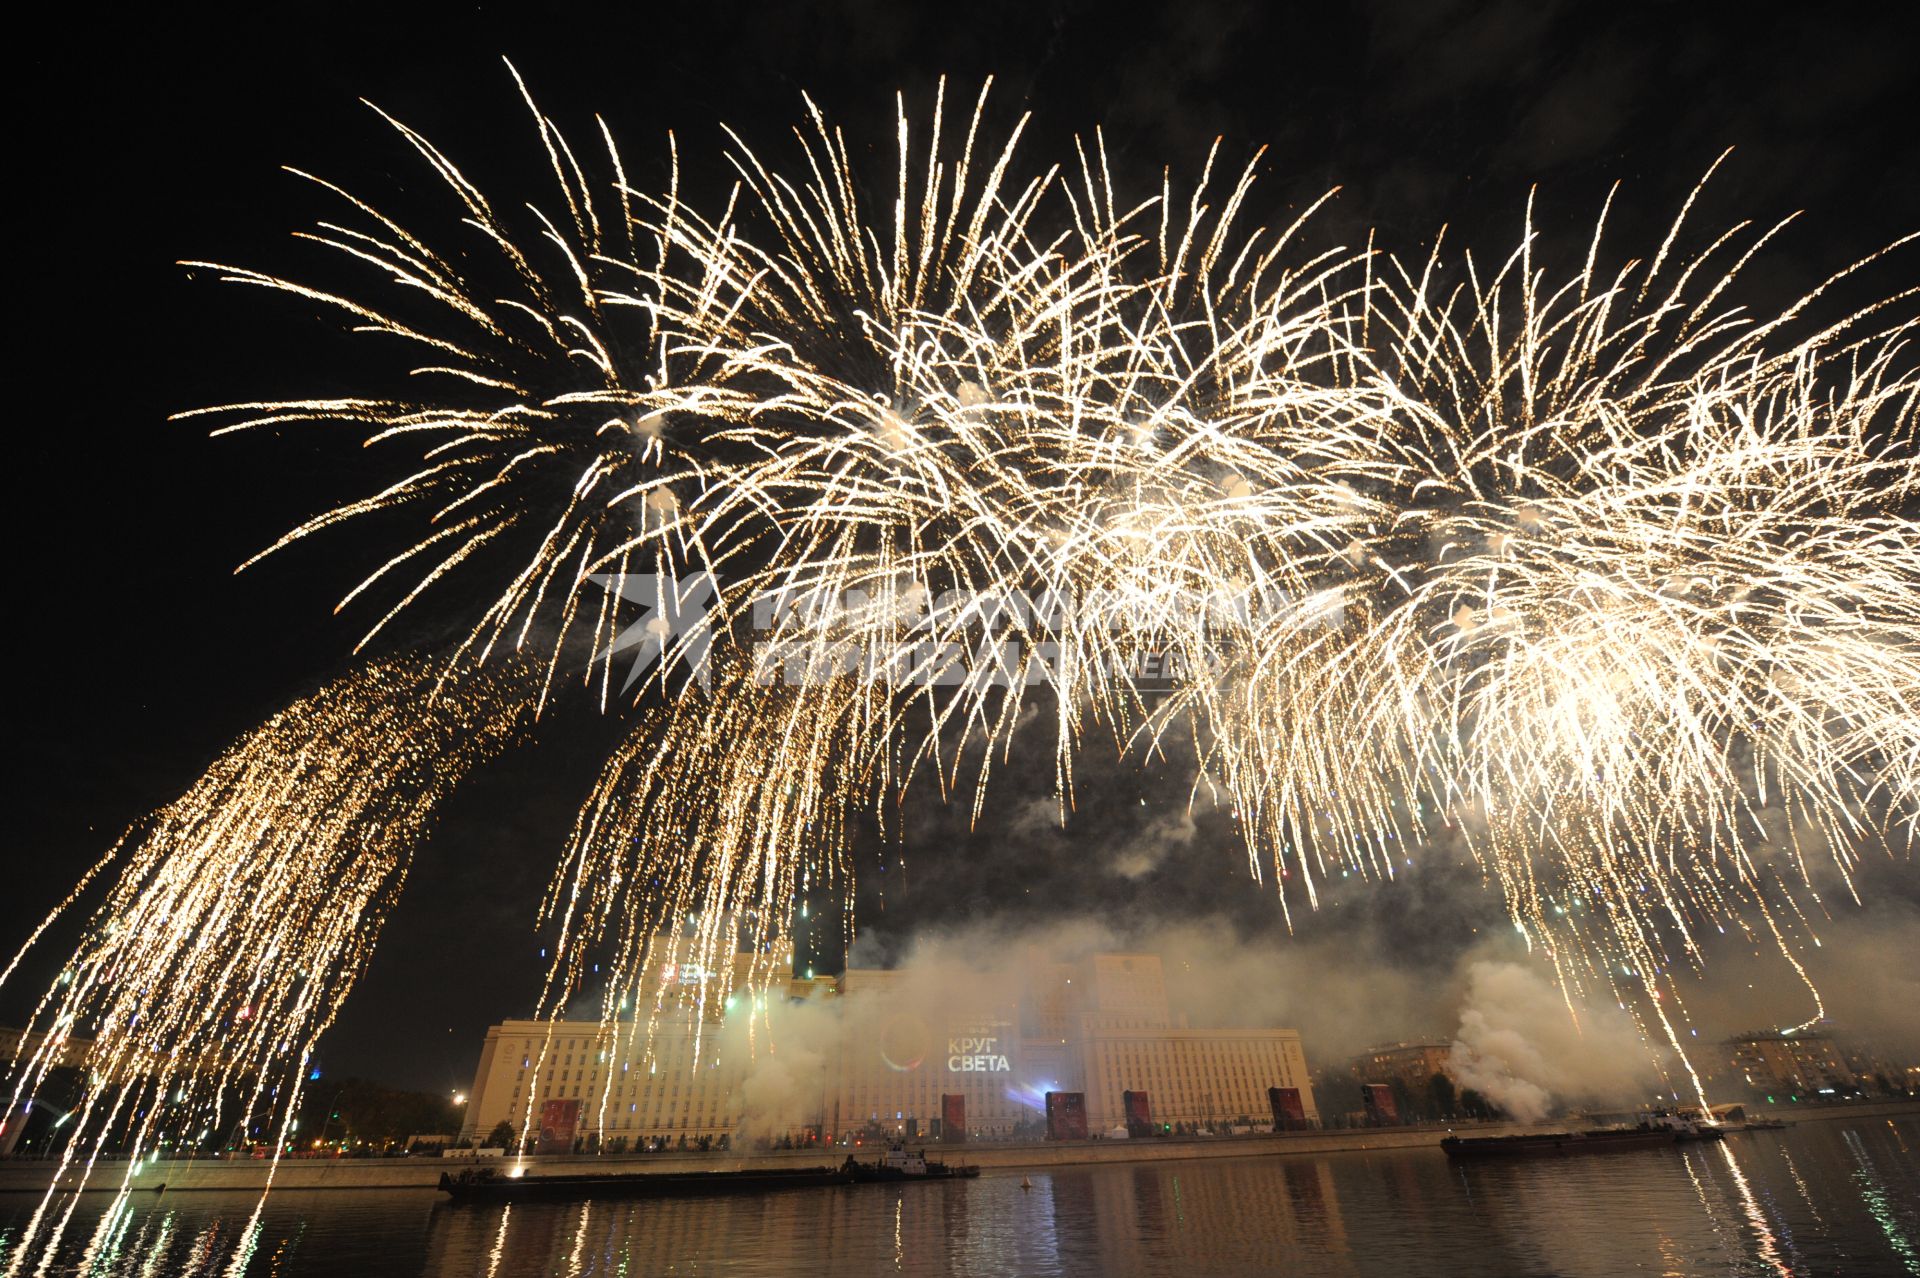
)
(501, 1137)
(1440, 1091)
(1403, 1100)
(359, 1109)
(1474, 1105)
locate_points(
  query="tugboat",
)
(898, 1164)
(486, 1185)
(1654, 1130)
(1685, 1129)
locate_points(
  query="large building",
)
(68, 1050)
(1411, 1064)
(906, 1039)
(1101, 1026)
(684, 1079)
(620, 1098)
(1117, 1034)
(881, 1053)
(1804, 1065)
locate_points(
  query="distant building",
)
(1412, 1064)
(64, 1052)
(67, 1051)
(905, 1041)
(1406, 1069)
(626, 1093)
(1879, 1070)
(1807, 1064)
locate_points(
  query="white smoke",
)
(1517, 1042)
(1519, 1046)
(782, 1091)
(1144, 853)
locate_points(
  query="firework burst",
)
(1609, 579)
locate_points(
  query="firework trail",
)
(1612, 582)
(241, 915)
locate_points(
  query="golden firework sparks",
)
(1607, 580)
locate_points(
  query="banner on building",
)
(1066, 1116)
(1139, 1112)
(1289, 1114)
(1381, 1111)
(953, 1118)
(559, 1122)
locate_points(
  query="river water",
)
(1822, 1198)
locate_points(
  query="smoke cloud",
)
(781, 1091)
(1519, 1046)
(1516, 1041)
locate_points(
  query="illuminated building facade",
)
(896, 1044)
(688, 1086)
(1121, 1036)
(667, 1096)
(70, 1051)
(908, 1040)
(1803, 1065)
(1412, 1064)
(1101, 1026)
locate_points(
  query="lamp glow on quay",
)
(1607, 580)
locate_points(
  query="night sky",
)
(139, 655)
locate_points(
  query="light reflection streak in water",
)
(499, 1241)
(162, 1244)
(575, 1266)
(1800, 1184)
(1763, 1232)
(249, 1240)
(104, 1247)
(1700, 1193)
(1867, 1180)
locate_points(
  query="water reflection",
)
(1824, 1199)
(1873, 1192)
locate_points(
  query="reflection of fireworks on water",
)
(1615, 584)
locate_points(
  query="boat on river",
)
(1654, 1131)
(898, 1164)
